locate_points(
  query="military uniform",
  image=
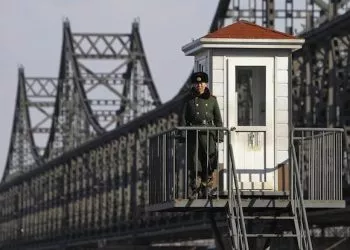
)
(201, 110)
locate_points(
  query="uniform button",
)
(196, 104)
(197, 113)
(206, 104)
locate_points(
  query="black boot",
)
(195, 188)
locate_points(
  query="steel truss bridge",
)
(75, 175)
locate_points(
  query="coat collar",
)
(205, 95)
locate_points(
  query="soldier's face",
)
(200, 86)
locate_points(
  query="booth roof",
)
(247, 30)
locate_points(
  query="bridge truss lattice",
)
(104, 82)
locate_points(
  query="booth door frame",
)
(260, 174)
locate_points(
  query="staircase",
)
(278, 228)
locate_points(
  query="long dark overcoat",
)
(201, 110)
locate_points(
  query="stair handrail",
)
(236, 198)
(346, 145)
(297, 196)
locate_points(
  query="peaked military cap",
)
(199, 77)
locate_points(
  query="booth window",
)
(251, 95)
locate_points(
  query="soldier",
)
(201, 109)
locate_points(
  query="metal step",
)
(257, 217)
(282, 235)
(268, 235)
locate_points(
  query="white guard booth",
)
(249, 70)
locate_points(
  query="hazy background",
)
(31, 35)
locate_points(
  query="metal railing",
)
(170, 163)
(240, 241)
(298, 207)
(319, 156)
(169, 154)
(316, 172)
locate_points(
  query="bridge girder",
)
(321, 77)
(269, 13)
(104, 82)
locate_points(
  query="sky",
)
(31, 35)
